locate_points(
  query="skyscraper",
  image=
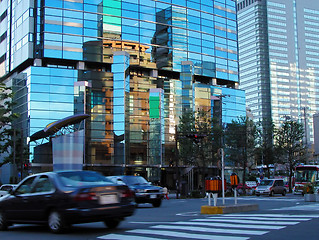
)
(279, 64)
(133, 66)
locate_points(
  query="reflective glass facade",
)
(133, 65)
(278, 45)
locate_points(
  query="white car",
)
(6, 188)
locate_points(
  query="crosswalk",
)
(217, 227)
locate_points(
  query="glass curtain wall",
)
(141, 62)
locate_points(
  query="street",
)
(278, 217)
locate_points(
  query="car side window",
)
(25, 187)
(43, 185)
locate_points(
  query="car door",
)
(40, 198)
(275, 188)
(17, 206)
(280, 186)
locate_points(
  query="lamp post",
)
(222, 144)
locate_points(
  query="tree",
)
(289, 146)
(264, 151)
(240, 136)
(199, 140)
(11, 144)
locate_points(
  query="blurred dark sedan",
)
(60, 199)
(145, 192)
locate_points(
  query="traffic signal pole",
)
(223, 175)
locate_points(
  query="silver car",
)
(271, 187)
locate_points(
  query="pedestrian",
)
(165, 191)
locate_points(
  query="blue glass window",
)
(129, 14)
(130, 6)
(53, 3)
(53, 28)
(73, 30)
(73, 14)
(73, 5)
(194, 5)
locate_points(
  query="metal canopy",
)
(56, 126)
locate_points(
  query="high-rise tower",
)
(278, 58)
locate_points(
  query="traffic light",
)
(195, 137)
(27, 166)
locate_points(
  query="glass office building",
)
(133, 65)
(279, 65)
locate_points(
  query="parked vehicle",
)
(144, 191)
(271, 187)
(250, 187)
(304, 174)
(6, 188)
(60, 199)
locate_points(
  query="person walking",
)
(165, 191)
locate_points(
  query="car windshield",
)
(266, 182)
(134, 180)
(81, 178)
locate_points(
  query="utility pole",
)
(177, 163)
(21, 154)
(306, 135)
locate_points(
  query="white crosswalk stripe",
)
(213, 230)
(247, 221)
(243, 226)
(311, 207)
(186, 235)
(219, 227)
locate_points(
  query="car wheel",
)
(55, 222)
(157, 203)
(257, 195)
(112, 223)
(284, 193)
(271, 193)
(3, 222)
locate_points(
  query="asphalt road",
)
(278, 217)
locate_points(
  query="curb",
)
(229, 209)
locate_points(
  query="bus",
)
(305, 174)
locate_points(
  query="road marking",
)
(151, 222)
(213, 230)
(275, 215)
(266, 218)
(185, 235)
(218, 227)
(188, 214)
(127, 237)
(247, 221)
(311, 207)
(229, 225)
(269, 199)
